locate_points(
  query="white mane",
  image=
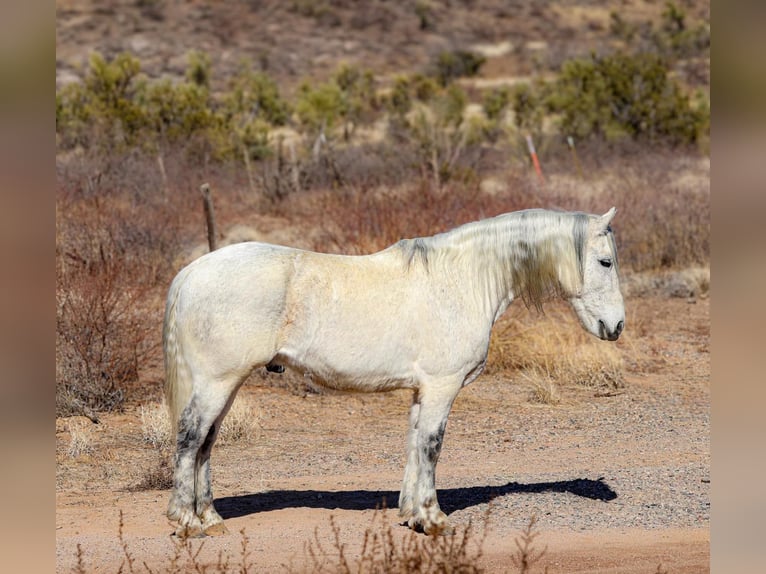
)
(535, 253)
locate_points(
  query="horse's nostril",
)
(620, 327)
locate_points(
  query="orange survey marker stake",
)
(535, 161)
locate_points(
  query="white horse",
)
(416, 315)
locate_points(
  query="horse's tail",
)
(178, 384)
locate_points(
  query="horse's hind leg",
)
(212, 523)
(188, 442)
(192, 501)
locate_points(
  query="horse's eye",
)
(605, 263)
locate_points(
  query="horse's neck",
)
(501, 260)
(481, 267)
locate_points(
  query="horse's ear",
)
(605, 220)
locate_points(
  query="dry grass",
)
(155, 425)
(686, 283)
(159, 476)
(241, 424)
(550, 350)
(383, 550)
(544, 389)
(80, 439)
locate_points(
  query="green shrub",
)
(451, 65)
(199, 70)
(425, 88)
(495, 102)
(528, 104)
(176, 111)
(72, 116)
(255, 94)
(440, 135)
(349, 98)
(624, 95)
(676, 37)
(104, 103)
(319, 106)
(408, 89)
(251, 106)
(399, 99)
(116, 106)
(359, 96)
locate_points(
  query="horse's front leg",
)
(435, 405)
(409, 482)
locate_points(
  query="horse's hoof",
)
(218, 529)
(193, 530)
(184, 532)
(440, 530)
(405, 513)
(436, 528)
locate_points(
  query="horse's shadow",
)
(450, 499)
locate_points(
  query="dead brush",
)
(155, 425)
(551, 349)
(366, 220)
(384, 550)
(106, 324)
(526, 555)
(80, 439)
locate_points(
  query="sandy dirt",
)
(618, 481)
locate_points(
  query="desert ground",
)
(618, 481)
(616, 477)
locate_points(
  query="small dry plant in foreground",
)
(384, 550)
(184, 558)
(526, 555)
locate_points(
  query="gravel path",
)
(617, 481)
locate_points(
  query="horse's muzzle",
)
(608, 335)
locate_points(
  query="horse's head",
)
(599, 304)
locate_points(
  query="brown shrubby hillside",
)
(351, 162)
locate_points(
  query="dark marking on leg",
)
(188, 427)
(208, 444)
(433, 444)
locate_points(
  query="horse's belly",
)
(365, 374)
